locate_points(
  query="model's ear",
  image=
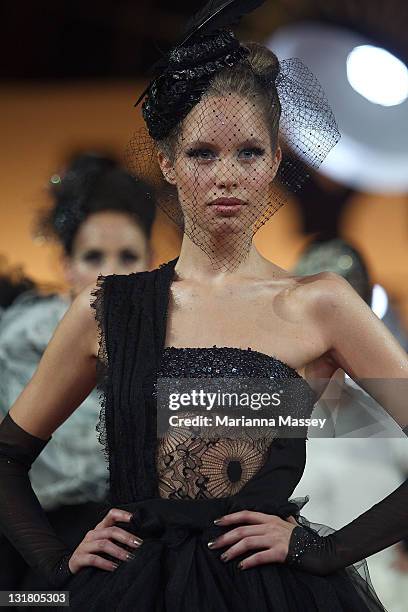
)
(278, 158)
(276, 162)
(167, 168)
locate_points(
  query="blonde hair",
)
(253, 78)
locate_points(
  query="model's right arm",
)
(64, 377)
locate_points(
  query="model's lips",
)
(227, 207)
(227, 202)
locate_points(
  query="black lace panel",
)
(192, 467)
(102, 363)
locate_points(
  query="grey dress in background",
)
(72, 468)
(70, 476)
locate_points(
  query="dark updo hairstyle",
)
(253, 78)
(94, 183)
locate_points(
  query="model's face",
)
(224, 151)
(107, 242)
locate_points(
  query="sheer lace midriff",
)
(194, 467)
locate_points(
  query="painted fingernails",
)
(217, 520)
(211, 543)
(130, 556)
(224, 557)
(137, 541)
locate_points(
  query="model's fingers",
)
(100, 540)
(105, 546)
(248, 543)
(261, 558)
(90, 560)
(244, 516)
(115, 515)
(235, 535)
(114, 533)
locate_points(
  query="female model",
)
(196, 523)
(101, 219)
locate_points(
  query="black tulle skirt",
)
(175, 571)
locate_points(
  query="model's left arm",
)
(362, 346)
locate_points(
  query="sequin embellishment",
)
(300, 541)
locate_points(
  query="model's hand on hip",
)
(268, 534)
(102, 539)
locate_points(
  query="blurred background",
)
(70, 73)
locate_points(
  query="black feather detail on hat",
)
(183, 75)
(218, 14)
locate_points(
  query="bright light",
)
(379, 301)
(377, 75)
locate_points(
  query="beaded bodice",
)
(195, 467)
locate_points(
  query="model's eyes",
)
(253, 151)
(206, 154)
(96, 257)
(127, 256)
(93, 256)
(201, 154)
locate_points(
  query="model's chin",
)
(219, 222)
(223, 227)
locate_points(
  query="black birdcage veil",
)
(231, 127)
(243, 148)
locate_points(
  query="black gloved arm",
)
(22, 519)
(379, 527)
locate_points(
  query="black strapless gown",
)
(175, 571)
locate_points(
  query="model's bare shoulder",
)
(312, 300)
(321, 292)
(80, 319)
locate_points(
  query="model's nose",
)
(227, 174)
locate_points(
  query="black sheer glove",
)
(379, 527)
(22, 519)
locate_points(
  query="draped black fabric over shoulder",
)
(174, 570)
(130, 311)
